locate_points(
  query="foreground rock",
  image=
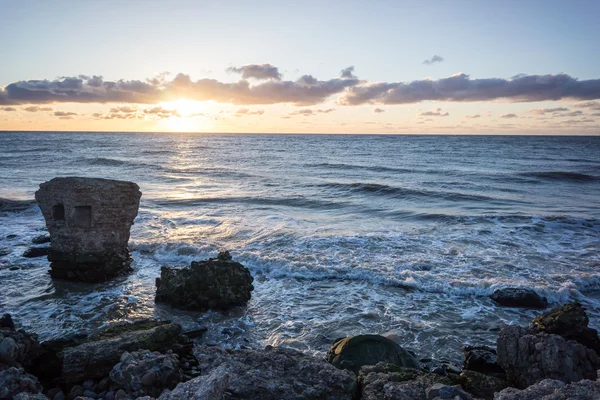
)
(273, 374)
(528, 357)
(14, 381)
(353, 352)
(217, 283)
(549, 389)
(481, 385)
(517, 297)
(18, 348)
(89, 221)
(206, 387)
(571, 322)
(482, 359)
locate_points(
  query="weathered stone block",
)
(89, 221)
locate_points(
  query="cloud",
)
(37, 109)
(436, 113)
(461, 88)
(348, 73)
(65, 117)
(64, 113)
(592, 105)
(542, 111)
(473, 116)
(572, 114)
(257, 71)
(378, 110)
(307, 112)
(506, 116)
(246, 111)
(434, 59)
(160, 112)
(124, 109)
(8, 109)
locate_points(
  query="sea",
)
(344, 234)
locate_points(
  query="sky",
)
(446, 66)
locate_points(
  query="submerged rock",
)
(41, 239)
(518, 297)
(353, 352)
(549, 389)
(217, 283)
(146, 373)
(89, 221)
(571, 322)
(34, 252)
(276, 373)
(528, 358)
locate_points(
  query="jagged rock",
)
(29, 396)
(89, 221)
(205, 387)
(571, 322)
(96, 359)
(34, 252)
(41, 239)
(4, 251)
(482, 359)
(17, 347)
(216, 283)
(528, 358)
(15, 380)
(146, 373)
(518, 297)
(277, 373)
(353, 352)
(481, 385)
(385, 381)
(549, 389)
(441, 391)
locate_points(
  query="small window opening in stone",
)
(58, 212)
(83, 216)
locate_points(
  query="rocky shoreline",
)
(553, 358)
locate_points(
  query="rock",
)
(6, 321)
(210, 284)
(441, 391)
(29, 396)
(276, 373)
(41, 239)
(206, 387)
(95, 359)
(15, 380)
(384, 381)
(482, 359)
(353, 352)
(17, 347)
(549, 389)
(122, 395)
(59, 396)
(518, 297)
(89, 394)
(571, 322)
(4, 251)
(145, 372)
(89, 221)
(33, 252)
(528, 358)
(76, 391)
(88, 384)
(480, 385)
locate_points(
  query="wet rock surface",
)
(482, 359)
(89, 221)
(353, 352)
(277, 373)
(34, 252)
(217, 283)
(481, 385)
(206, 387)
(15, 380)
(571, 322)
(518, 297)
(549, 389)
(528, 357)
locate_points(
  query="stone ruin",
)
(89, 221)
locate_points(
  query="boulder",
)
(89, 221)
(18, 348)
(518, 297)
(276, 373)
(144, 372)
(528, 358)
(571, 322)
(549, 389)
(388, 381)
(441, 391)
(205, 387)
(480, 385)
(95, 359)
(41, 239)
(217, 283)
(15, 380)
(34, 252)
(482, 359)
(353, 352)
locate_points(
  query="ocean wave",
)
(561, 176)
(373, 168)
(10, 205)
(301, 202)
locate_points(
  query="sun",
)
(190, 117)
(185, 108)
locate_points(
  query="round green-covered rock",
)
(355, 351)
